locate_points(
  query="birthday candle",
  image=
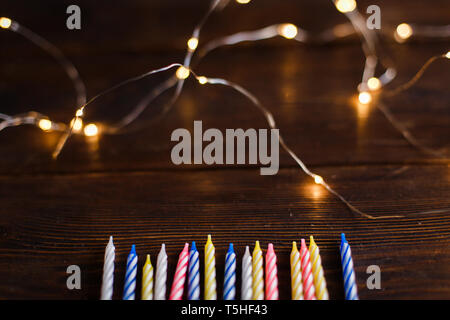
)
(210, 270)
(257, 273)
(194, 274)
(147, 280)
(176, 293)
(347, 270)
(296, 275)
(108, 271)
(308, 284)
(271, 274)
(229, 286)
(247, 277)
(319, 279)
(130, 275)
(161, 274)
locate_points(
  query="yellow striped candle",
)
(258, 273)
(319, 278)
(210, 270)
(147, 280)
(296, 275)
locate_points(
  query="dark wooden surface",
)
(57, 213)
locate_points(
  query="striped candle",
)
(296, 275)
(319, 279)
(247, 280)
(271, 274)
(147, 280)
(108, 271)
(176, 293)
(308, 284)
(229, 286)
(130, 275)
(161, 274)
(210, 270)
(347, 270)
(257, 273)
(194, 274)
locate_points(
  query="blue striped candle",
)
(130, 275)
(229, 287)
(347, 270)
(194, 274)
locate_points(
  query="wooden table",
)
(59, 213)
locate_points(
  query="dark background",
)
(57, 213)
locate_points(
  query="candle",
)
(161, 274)
(229, 286)
(130, 275)
(347, 270)
(194, 274)
(210, 270)
(108, 271)
(296, 275)
(308, 284)
(271, 274)
(176, 293)
(257, 273)
(147, 280)
(247, 280)
(317, 270)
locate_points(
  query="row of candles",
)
(307, 276)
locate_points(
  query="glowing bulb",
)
(90, 130)
(5, 23)
(365, 97)
(404, 31)
(243, 1)
(192, 44)
(202, 80)
(374, 83)
(45, 124)
(182, 73)
(79, 113)
(345, 6)
(318, 179)
(288, 30)
(76, 124)
(448, 55)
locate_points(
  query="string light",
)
(365, 97)
(91, 130)
(192, 44)
(374, 83)
(5, 23)
(447, 55)
(403, 32)
(318, 179)
(182, 73)
(288, 30)
(243, 1)
(345, 6)
(45, 124)
(202, 80)
(76, 124)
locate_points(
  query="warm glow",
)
(202, 80)
(5, 23)
(404, 31)
(91, 130)
(79, 113)
(374, 83)
(365, 97)
(288, 30)
(448, 55)
(318, 179)
(45, 124)
(345, 6)
(182, 73)
(192, 44)
(243, 1)
(76, 124)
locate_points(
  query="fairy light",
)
(182, 73)
(447, 55)
(288, 30)
(202, 80)
(5, 23)
(365, 97)
(45, 124)
(79, 112)
(345, 6)
(318, 179)
(91, 130)
(243, 1)
(192, 44)
(403, 31)
(374, 83)
(76, 124)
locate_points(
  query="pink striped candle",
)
(307, 277)
(176, 293)
(271, 274)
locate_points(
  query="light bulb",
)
(345, 6)
(243, 1)
(5, 23)
(374, 83)
(404, 31)
(365, 97)
(76, 124)
(79, 112)
(318, 179)
(182, 73)
(448, 55)
(202, 80)
(288, 30)
(192, 44)
(90, 130)
(45, 124)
